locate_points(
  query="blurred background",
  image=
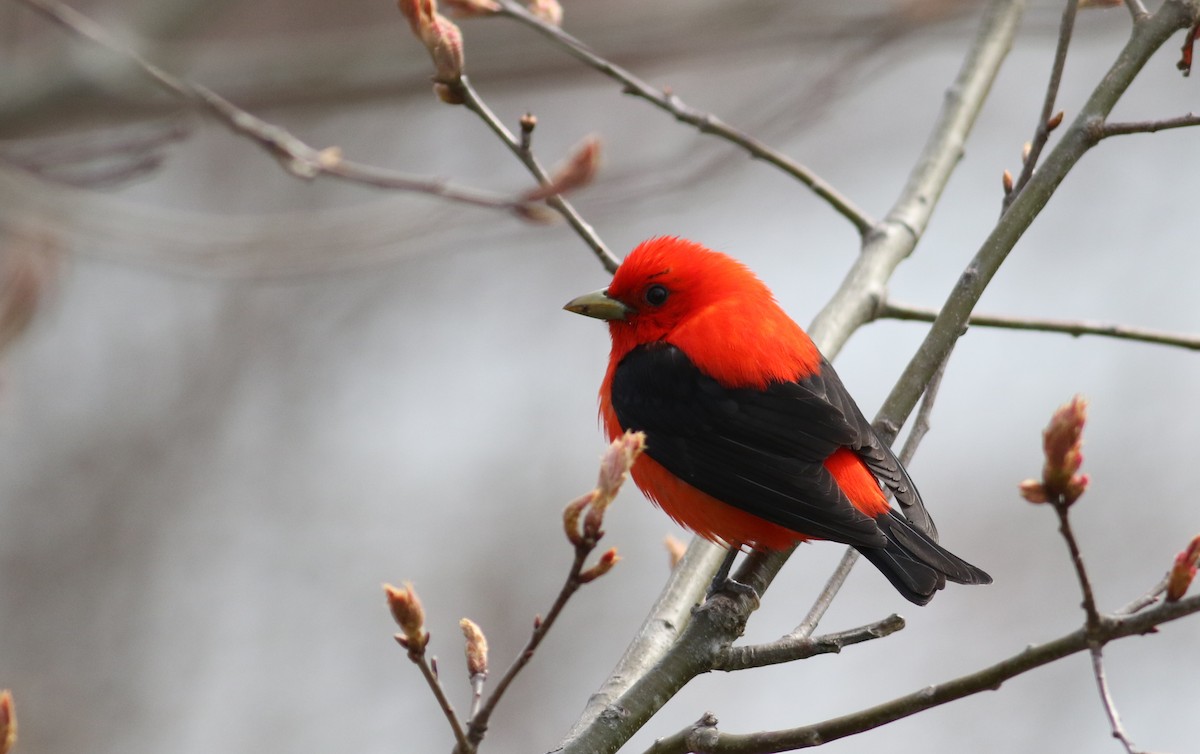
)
(244, 401)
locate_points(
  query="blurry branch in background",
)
(294, 155)
(583, 521)
(704, 122)
(111, 161)
(895, 310)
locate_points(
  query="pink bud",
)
(476, 647)
(1183, 570)
(440, 36)
(609, 559)
(578, 171)
(8, 722)
(1062, 441)
(409, 616)
(549, 11)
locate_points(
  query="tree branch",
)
(895, 310)
(704, 122)
(518, 146)
(987, 679)
(1149, 126)
(792, 647)
(1041, 134)
(294, 155)
(1146, 38)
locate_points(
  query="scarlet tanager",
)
(752, 441)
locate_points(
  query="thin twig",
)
(704, 122)
(894, 310)
(1085, 584)
(479, 720)
(1146, 600)
(1106, 700)
(791, 647)
(1094, 625)
(473, 102)
(294, 155)
(420, 659)
(1041, 134)
(821, 605)
(1137, 10)
(1149, 126)
(922, 423)
(986, 679)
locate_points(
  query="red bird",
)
(752, 441)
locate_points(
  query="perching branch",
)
(294, 155)
(895, 310)
(704, 122)
(987, 679)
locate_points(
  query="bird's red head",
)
(706, 302)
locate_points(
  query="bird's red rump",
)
(857, 481)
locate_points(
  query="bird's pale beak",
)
(597, 304)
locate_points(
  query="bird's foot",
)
(736, 589)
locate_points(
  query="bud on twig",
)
(409, 616)
(675, 549)
(548, 10)
(1055, 121)
(1026, 149)
(578, 171)
(609, 559)
(614, 468)
(1183, 571)
(476, 648)
(443, 39)
(8, 722)
(573, 512)
(1062, 441)
(1007, 180)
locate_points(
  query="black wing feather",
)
(760, 450)
(764, 451)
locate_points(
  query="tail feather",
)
(915, 564)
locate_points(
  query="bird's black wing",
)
(762, 451)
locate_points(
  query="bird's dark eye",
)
(656, 295)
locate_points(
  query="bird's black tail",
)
(915, 564)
